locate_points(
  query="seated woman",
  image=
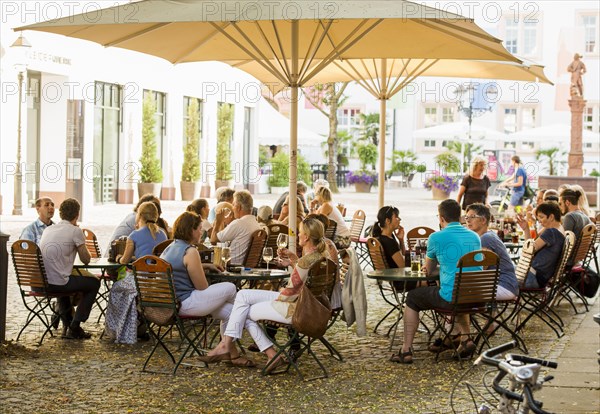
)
(200, 207)
(547, 246)
(191, 287)
(284, 217)
(252, 305)
(121, 314)
(342, 232)
(390, 233)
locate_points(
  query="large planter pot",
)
(149, 188)
(439, 194)
(362, 187)
(189, 190)
(221, 183)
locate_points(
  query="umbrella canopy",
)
(291, 40)
(459, 131)
(274, 129)
(556, 133)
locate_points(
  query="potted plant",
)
(363, 179)
(441, 185)
(190, 169)
(280, 171)
(404, 164)
(224, 134)
(150, 171)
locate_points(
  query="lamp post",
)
(474, 99)
(19, 46)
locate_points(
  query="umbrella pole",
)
(293, 139)
(382, 111)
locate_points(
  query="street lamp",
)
(474, 99)
(19, 47)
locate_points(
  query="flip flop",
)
(241, 361)
(209, 359)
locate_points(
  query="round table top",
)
(400, 274)
(96, 263)
(252, 274)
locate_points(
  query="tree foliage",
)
(551, 157)
(190, 169)
(447, 162)
(224, 135)
(280, 168)
(469, 149)
(150, 171)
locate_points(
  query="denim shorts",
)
(516, 199)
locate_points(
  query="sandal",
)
(438, 346)
(241, 361)
(466, 349)
(271, 366)
(402, 357)
(209, 359)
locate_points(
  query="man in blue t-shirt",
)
(518, 181)
(445, 248)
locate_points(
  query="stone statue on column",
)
(577, 105)
(577, 70)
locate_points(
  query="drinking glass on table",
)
(268, 255)
(225, 256)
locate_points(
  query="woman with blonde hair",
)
(583, 203)
(475, 184)
(121, 314)
(252, 305)
(284, 218)
(342, 232)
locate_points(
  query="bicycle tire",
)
(470, 397)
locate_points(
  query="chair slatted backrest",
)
(29, 266)
(154, 281)
(331, 229)
(321, 277)
(274, 231)
(254, 253)
(358, 222)
(160, 247)
(476, 287)
(525, 260)
(564, 257)
(91, 243)
(584, 242)
(376, 253)
(418, 233)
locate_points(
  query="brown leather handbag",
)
(312, 314)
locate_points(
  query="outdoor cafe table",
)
(255, 278)
(402, 275)
(102, 264)
(514, 250)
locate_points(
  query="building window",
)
(590, 30)
(430, 143)
(510, 144)
(528, 118)
(588, 118)
(510, 120)
(520, 35)
(430, 117)
(448, 114)
(587, 145)
(527, 145)
(160, 116)
(348, 117)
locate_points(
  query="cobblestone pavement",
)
(99, 376)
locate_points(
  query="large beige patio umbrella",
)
(292, 40)
(383, 78)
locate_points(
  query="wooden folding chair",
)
(91, 243)
(274, 230)
(537, 301)
(321, 279)
(160, 309)
(386, 290)
(418, 233)
(570, 281)
(360, 243)
(254, 253)
(160, 247)
(33, 284)
(331, 229)
(474, 293)
(93, 248)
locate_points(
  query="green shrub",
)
(224, 135)
(280, 165)
(150, 171)
(190, 169)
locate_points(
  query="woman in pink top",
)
(252, 305)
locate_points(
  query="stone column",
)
(577, 105)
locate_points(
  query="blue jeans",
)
(516, 198)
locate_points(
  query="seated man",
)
(45, 210)
(301, 189)
(60, 244)
(223, 194)
(445, 247)
(240, 230)
(478, 218)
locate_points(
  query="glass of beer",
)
(415, 263)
